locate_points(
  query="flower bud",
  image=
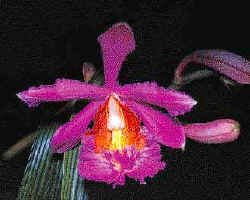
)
(88, 71)
(218, 131)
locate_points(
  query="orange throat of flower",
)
(116, 127)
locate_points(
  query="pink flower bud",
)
(218, 131)
(88, 71)
(224, 62)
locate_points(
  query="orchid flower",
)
(126, 132)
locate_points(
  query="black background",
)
(44, 40)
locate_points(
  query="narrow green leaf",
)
(49, 176)
(43, 174)
(72, 184)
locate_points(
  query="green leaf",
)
(48, 175)
(72, 184)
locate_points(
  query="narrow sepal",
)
(175, 102)
(116, 43)
(62, 90)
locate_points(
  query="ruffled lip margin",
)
(113, 166)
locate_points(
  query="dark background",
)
(44, 40)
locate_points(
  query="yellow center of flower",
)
(118, 141)
(116, 127)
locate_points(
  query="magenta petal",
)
(165, 130)
(113, 166)
(218, 131)
(63, 89)
(69, 134)
(116, 43)
(176, 103)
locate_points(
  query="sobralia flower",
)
(126, 132)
